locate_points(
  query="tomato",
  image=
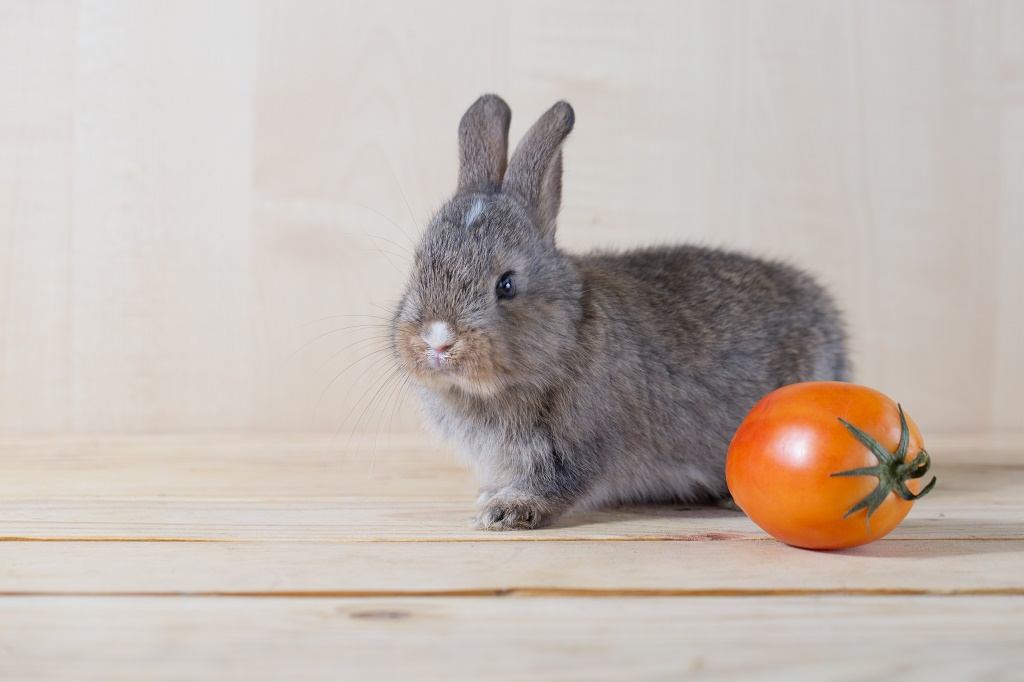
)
(826, 465)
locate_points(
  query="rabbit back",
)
(675, 346)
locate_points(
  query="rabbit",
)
(586, 381)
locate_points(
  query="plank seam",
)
(709, 537)
(537, 592)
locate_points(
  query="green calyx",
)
(892, 472)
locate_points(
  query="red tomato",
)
(826, 465)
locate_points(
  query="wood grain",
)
(187, 191)
(313, 489)
(313, 465)
(249, 558)
(338, 519)
(712, 564)
(184, 638)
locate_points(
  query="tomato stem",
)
(892, 471)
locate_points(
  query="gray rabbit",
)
(578, 381)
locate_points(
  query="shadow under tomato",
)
(929, 537)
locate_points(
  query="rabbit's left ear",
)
(535, 171)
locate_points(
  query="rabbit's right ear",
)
(483, 145)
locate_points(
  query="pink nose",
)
(443, 348)
(439, 336)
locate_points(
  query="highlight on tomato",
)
(827, 465)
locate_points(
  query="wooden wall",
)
(188, 188)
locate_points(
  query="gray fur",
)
(609, 378)
(483, 145)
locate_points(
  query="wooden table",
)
(286, 558)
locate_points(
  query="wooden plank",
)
(391, 465)
(159, 329)
(279, 488)
(38, 52)
(113, 639)
(395, 568)
(234, 466)
(336, 519)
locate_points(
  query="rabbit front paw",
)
(511, 511)
(486, 495)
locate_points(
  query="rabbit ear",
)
(535, 171)
(483, 145)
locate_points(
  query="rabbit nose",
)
(439, 336)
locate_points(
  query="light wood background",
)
(187, 188)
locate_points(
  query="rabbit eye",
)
(506, 286)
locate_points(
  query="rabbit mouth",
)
(466, 364)
(438, 361)
(420, 359)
